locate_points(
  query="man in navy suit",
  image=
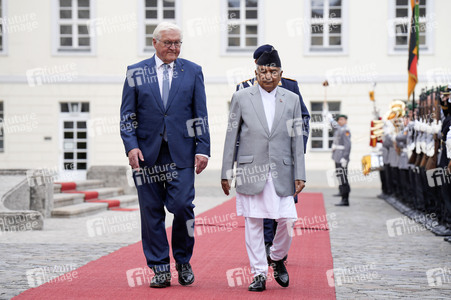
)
(291, 85)
(164, 128)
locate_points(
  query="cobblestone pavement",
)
(66, 244)
(371, 260)
(380, 254)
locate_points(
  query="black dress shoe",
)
(161, 279)
(186, 276)
(336, 195)
(258, 284)
(280, 272)
(344, 202)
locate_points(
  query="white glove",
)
(328, 116)
(343, 163)
(436, 126)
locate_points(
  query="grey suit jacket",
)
(279, 151)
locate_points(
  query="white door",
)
(74, 141)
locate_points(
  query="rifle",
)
(432, 161)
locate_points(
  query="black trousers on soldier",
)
(342, 176)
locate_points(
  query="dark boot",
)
(344, 202)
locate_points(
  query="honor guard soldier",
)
(445, 157)
(341, 148)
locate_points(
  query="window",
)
(326, 24)
(399, 25)
(322, 134)
(72, 22)
(2, 140)
(242, 25)
(155, 12)
(74, 117)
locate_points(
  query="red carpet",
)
(219, 262)
(67, 186)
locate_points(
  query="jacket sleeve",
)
(128, 116)
(297, 148)
(305, 114)
(347, 143)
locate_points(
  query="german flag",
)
(414, 42)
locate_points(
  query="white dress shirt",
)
(159, 66)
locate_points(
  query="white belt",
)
(338, 147)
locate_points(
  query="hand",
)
(200, 162)
(343, 163)
(299, 185)
(134, 156)
(225, 186)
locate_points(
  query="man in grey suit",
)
(270, 165)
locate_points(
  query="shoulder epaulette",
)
(290, 79)
(245, 81)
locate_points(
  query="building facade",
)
(63, 65)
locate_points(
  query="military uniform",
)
(444, 161)
(403, 166)
(341, 149)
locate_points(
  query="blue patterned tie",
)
(165, 93)
(165, 84)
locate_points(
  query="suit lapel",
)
(177, 78)
(256, 100)
(280, 106)
(153, 82)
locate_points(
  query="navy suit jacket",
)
(291, 85)
(143, 116)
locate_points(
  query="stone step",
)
(81, 185)
(124, 200)
(79, 210)
(65, 199)
(100, 193)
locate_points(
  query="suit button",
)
(161, 134)
(165, 115)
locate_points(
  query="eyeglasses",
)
(168, 44)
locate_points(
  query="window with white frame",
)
(242, 25)
(326, 25)
(73, 21)
(155, 12)
(2, 140)
(399, 24)
(321, 133)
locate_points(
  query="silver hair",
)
(166, 26)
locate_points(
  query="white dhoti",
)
(269, 205)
